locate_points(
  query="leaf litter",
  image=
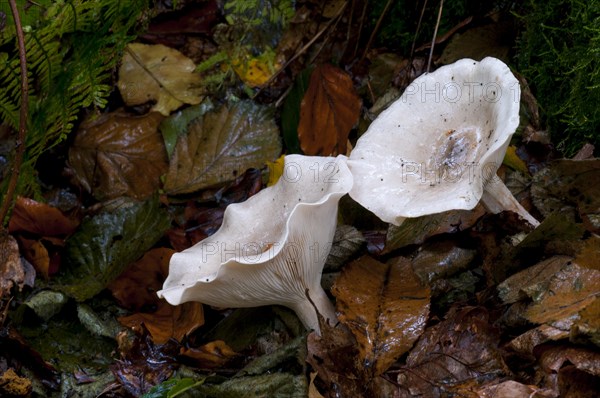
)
(462, 303)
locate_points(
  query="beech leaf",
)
(110, 151)
(329, 110)
(40, 219)
(385, 306)
(221, 145)
(106, 244)
(157, 72)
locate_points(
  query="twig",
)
(301, 51)
(20, 142)
(377, 26)
(412, 48)
(437, 25)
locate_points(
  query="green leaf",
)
(290, 113)
(172, 388)
(106, 244)
(177, 124)
(221, 145)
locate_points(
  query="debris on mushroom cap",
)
(271, 248)
(438, 146)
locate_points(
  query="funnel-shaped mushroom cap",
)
(439, 145)
(271, 248)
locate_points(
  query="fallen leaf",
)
(416, 230)
(256, 71)
(37, 254)
(211, 355)
(177, 124)
(221, 145)
(512, 160)
(441, 259)
(275, 170)
(567, 183)
(40, 219)
(462, 347)
(512, 389)
(329, 110)
(167, 322)
(135, 289)
(525, 343)
(109, 152)
(385, 306)
(334, 356)
(106, 244)
(14, 385)
(589, 253)
(159, 73)
(587, 327)
(570, 290)
(290, 112)
(12, 273)
(557, 362)
(347, 240)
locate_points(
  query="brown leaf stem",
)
(20, 144)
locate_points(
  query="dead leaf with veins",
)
(158, 73)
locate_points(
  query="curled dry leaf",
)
(221, 145)
(41, 219)
(110, 152)
(212, 355)
(136, 289)
(158, 73)
(11, 269)
(329, 110)
(385, 306)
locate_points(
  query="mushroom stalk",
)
(497, 198)
(306, 309)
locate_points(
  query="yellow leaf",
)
(255, 71)
(160, 73)
(275, 170)
(512, 160)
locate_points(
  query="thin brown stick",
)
(20, 143)
(437, 25)
(412, 48)
(376, 29)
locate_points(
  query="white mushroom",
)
(271, 248)
(438, 146)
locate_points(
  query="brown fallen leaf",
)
(512, 389)
(570, 290)
(461, 348)
(12, 273)
(119, 154)
(568, 370)
(40, 219)
(167, 322)
(416, 230)
(157, 72)
(45, 261)
(329, 110)
(525, 343)
(135, 289)
(211, 355)
(385, 306)
(589, 254)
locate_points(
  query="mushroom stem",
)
(497, 198)
(307, 310)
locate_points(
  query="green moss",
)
(559, 53)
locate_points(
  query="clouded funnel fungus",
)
(438, 146)
(271, 248)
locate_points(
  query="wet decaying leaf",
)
(158, 73)
(463, 347)
(441, 259)
(41, 219)
(346, 242)
(211, 355)
(106, 244)
(334, 355)
(569, 371)
(167, 322)
(135, 289)
(570, 290)
(385, 306)
(221, 145)
(12, 273)
(567, 183)
(416, 230)
(329, 110)
(110, 153)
